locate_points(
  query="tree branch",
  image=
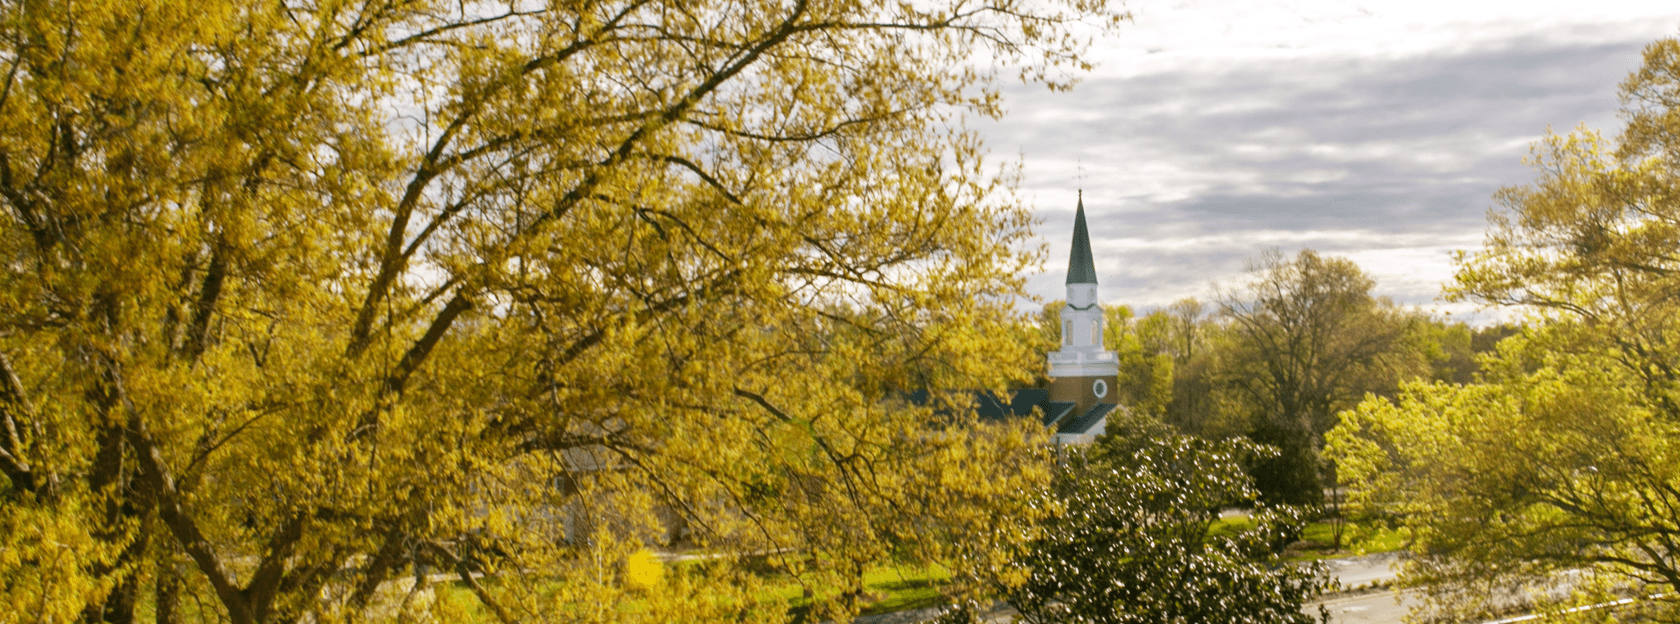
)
(13, 402)
(466, 576)
(185, 529)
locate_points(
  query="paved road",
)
(1371, 608)
(1357, 572)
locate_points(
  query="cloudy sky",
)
(1213, 130)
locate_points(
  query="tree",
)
(296, 295)
(1146, 365)
(1043, 334)
(1184, 333)
(1307, 341)
(1132, 540)
(1552, 467)
(1562, 459)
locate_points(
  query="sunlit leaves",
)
(1560, 463)
(305, 297)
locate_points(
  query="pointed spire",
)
(1081, 268)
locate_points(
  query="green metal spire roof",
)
(1081, 269)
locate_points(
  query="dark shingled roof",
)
(1081, 268)
(992, 407)
(1087, 420)
(1058, 414)
(1057, 410)
(1022, 404)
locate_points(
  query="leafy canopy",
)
(1305, 339)
(298, 297)
(1562, 458)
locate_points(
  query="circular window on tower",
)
(1099, 388)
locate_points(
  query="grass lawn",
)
(890, 588)
(1230, 526)
(886, 588)
(1358, 538)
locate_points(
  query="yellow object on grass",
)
(643, 571)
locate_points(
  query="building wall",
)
(1078, 390)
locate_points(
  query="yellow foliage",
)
(301, 299)
(1561, 461)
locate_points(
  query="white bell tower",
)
(1082, 371)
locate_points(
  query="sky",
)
(1378, 130)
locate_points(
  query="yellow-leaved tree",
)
(1554, 478)
(302, 299)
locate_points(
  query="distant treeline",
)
(1277, 358)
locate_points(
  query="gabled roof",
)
(989, 406)
(1057, 414)
(1081, 268)
(1086, 421)
(1057, 410)
(1021, 404)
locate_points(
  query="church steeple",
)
(1082, 371)
(1081, 268)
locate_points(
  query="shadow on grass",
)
(889, 590)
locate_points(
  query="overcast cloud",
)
(1214, 130)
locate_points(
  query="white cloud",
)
(1198, 35)
(1217, 129)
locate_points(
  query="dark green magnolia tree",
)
(1134, 539)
